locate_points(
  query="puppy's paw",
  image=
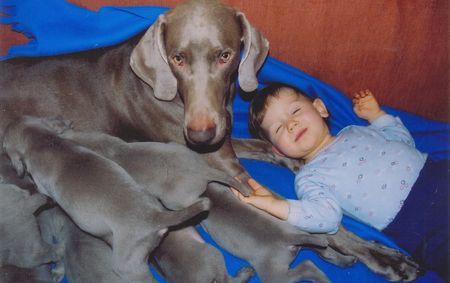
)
(58, 124)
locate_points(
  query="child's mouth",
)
(300, 134)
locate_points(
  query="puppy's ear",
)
(256, 47)
(149, 62)
(18, 164)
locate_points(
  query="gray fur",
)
(172, 172)
(98, 195)
(85, 258)
(267, 243)
(21, 243)
(183, 257)
(270, 244)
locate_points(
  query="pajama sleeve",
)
(316, 211)
(392, 129)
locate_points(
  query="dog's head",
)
(195, 49)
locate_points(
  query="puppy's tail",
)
(172, 218)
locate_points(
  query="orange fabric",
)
(398, 49)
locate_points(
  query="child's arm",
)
(366, 106)
(318, 212)
(265, 200)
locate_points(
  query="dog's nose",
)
(201, 137)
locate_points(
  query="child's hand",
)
(366, 106)
(264, 199)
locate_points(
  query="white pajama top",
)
(366, 173)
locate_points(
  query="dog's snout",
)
(202, 136)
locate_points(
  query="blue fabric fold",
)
(57, 27)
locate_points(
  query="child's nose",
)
(292, 125)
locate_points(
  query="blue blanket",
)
(56, 27)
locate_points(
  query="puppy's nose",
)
(201, 136)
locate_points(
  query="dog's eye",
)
(225, 57)
(178, 59)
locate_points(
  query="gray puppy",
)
(9, 176)
(267, 243)
(172, 172)
(86, 259)
(21, 243)
(184, 257)
(270, 244)
(98, 195)
(14, 274)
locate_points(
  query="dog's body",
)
(21, 243)
(85, 258)
(270, 244)
(174, 174)
(194, 49)
(97, 194)
(267, 243)
(14, 274)
(100, 92)
(183, 257)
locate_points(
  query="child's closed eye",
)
(296, 111)
(278, 129)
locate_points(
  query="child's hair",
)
(259, 103)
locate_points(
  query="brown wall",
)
(398, 49)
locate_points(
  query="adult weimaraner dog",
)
(178, 88)
(99, 195)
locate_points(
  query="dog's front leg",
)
(391, 263)
(225, 159)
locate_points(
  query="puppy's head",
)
(12, 146)
(25, 131)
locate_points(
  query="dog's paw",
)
(244, 274)
(58, 272)
(392, 263)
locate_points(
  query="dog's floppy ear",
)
(149, 62)
(256, 47)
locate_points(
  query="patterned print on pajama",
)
(366, 173)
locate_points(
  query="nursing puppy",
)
(183, 257)
(173, 173)
(85, 258)
(98, 195)
(21, 243)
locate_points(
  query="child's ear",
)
(274, 149)
(321, 108)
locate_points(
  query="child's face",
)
(295, 125)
